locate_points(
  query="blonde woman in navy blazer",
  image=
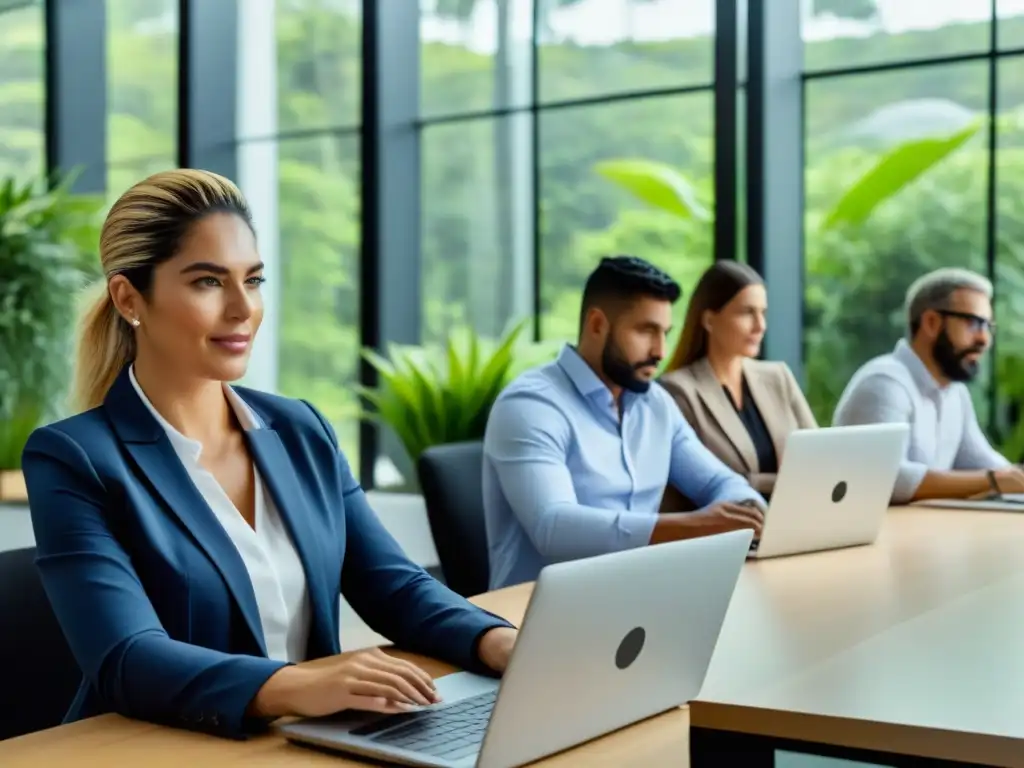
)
(194, 537)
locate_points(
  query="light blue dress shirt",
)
(564, 479)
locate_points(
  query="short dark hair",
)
(622, 279)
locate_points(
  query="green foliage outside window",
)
(855, 276)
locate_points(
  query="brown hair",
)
(716, 288)
(144, 228)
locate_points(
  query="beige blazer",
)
(707, 408)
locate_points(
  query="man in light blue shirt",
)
(577, 452)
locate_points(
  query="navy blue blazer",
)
(155, 600)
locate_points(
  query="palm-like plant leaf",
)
(656, 184)
(893, 172)
(492, 379)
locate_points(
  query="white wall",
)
(405, 517)
(15, 528)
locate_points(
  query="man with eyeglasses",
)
(923, 382)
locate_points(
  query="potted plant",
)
(48, 239)
(440, 394)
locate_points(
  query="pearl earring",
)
(135, 322)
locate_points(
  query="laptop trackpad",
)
(460, 685)
(453, 687)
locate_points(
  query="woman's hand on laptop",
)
(366, 680)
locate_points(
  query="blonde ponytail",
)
(105, 346)
(144, 228)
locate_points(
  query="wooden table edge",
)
(826, 730)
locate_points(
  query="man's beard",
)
(951, 360)
(620, 371)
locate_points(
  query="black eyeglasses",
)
(977, 322)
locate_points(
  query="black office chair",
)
(40, 676)
(450, 478)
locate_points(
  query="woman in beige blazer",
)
(741, 408)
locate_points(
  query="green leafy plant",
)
(444, 394)
(663, 187)
(48, 238)
(658, 185)
(894, 171)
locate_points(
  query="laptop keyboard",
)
(451, 731)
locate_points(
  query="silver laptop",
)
(833, 488)
(1004, 502)
(606, 641)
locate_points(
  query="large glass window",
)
(142, 84)
(319, 65)
(604, 47)
(1010, 23)
(584, 216)
(857, 272)
(477, 231)
(476, 187)
(1009, 271)
(478, 211)
(318, 256)
(474, 56)
(298, 164)
(22, 91)
(121, 176)
(840, 34)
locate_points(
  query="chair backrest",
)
(451, 480)
(40, 675)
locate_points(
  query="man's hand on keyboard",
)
(730, 516)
